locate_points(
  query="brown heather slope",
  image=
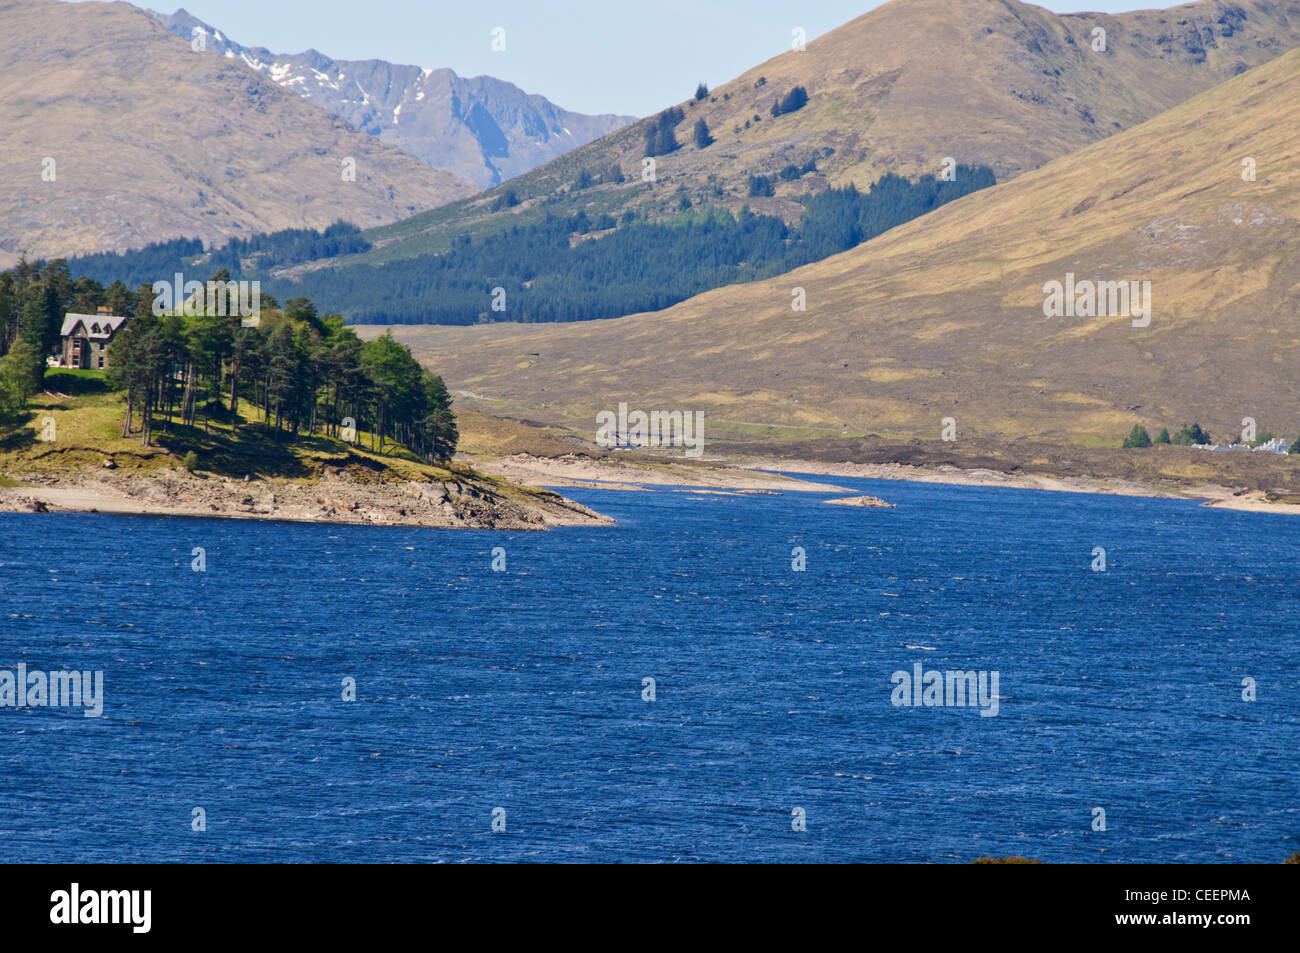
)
(993, 82)
(152, 140)
(943, 316)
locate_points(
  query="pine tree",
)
(12, 397)
(660, 138)
(39, 326)
(117, 297)
(702, 138)
(22, 369)
(792, 101)
(1187, 436)
(1137, 437)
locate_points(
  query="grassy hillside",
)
(149, 140)
(991, 82)
(943, 317)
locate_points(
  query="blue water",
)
(522, 689)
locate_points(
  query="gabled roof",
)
(109, 323)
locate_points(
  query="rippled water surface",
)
(523, 689)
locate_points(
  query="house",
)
(86, 338)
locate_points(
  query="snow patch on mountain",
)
(483, 130)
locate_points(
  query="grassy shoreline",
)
(69, 455)
(238, 467)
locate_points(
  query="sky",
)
(594, 56)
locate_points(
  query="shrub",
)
(1187, 436)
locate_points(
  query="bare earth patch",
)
(579, 470)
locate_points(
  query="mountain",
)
(480, 129)
(944, 316)
(985, 82)
(146, 139)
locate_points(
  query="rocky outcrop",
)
(338, 495)
(861, 501)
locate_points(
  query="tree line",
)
(1191, 435)
(546, 275)
(551, 270)
(303, 372)
(256, 254)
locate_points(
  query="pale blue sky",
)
(594, 56)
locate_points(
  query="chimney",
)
(103, 309)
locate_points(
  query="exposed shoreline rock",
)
(861, 501)
(339, 496)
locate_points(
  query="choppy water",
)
(523, 689)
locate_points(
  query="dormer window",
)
(94, 329)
